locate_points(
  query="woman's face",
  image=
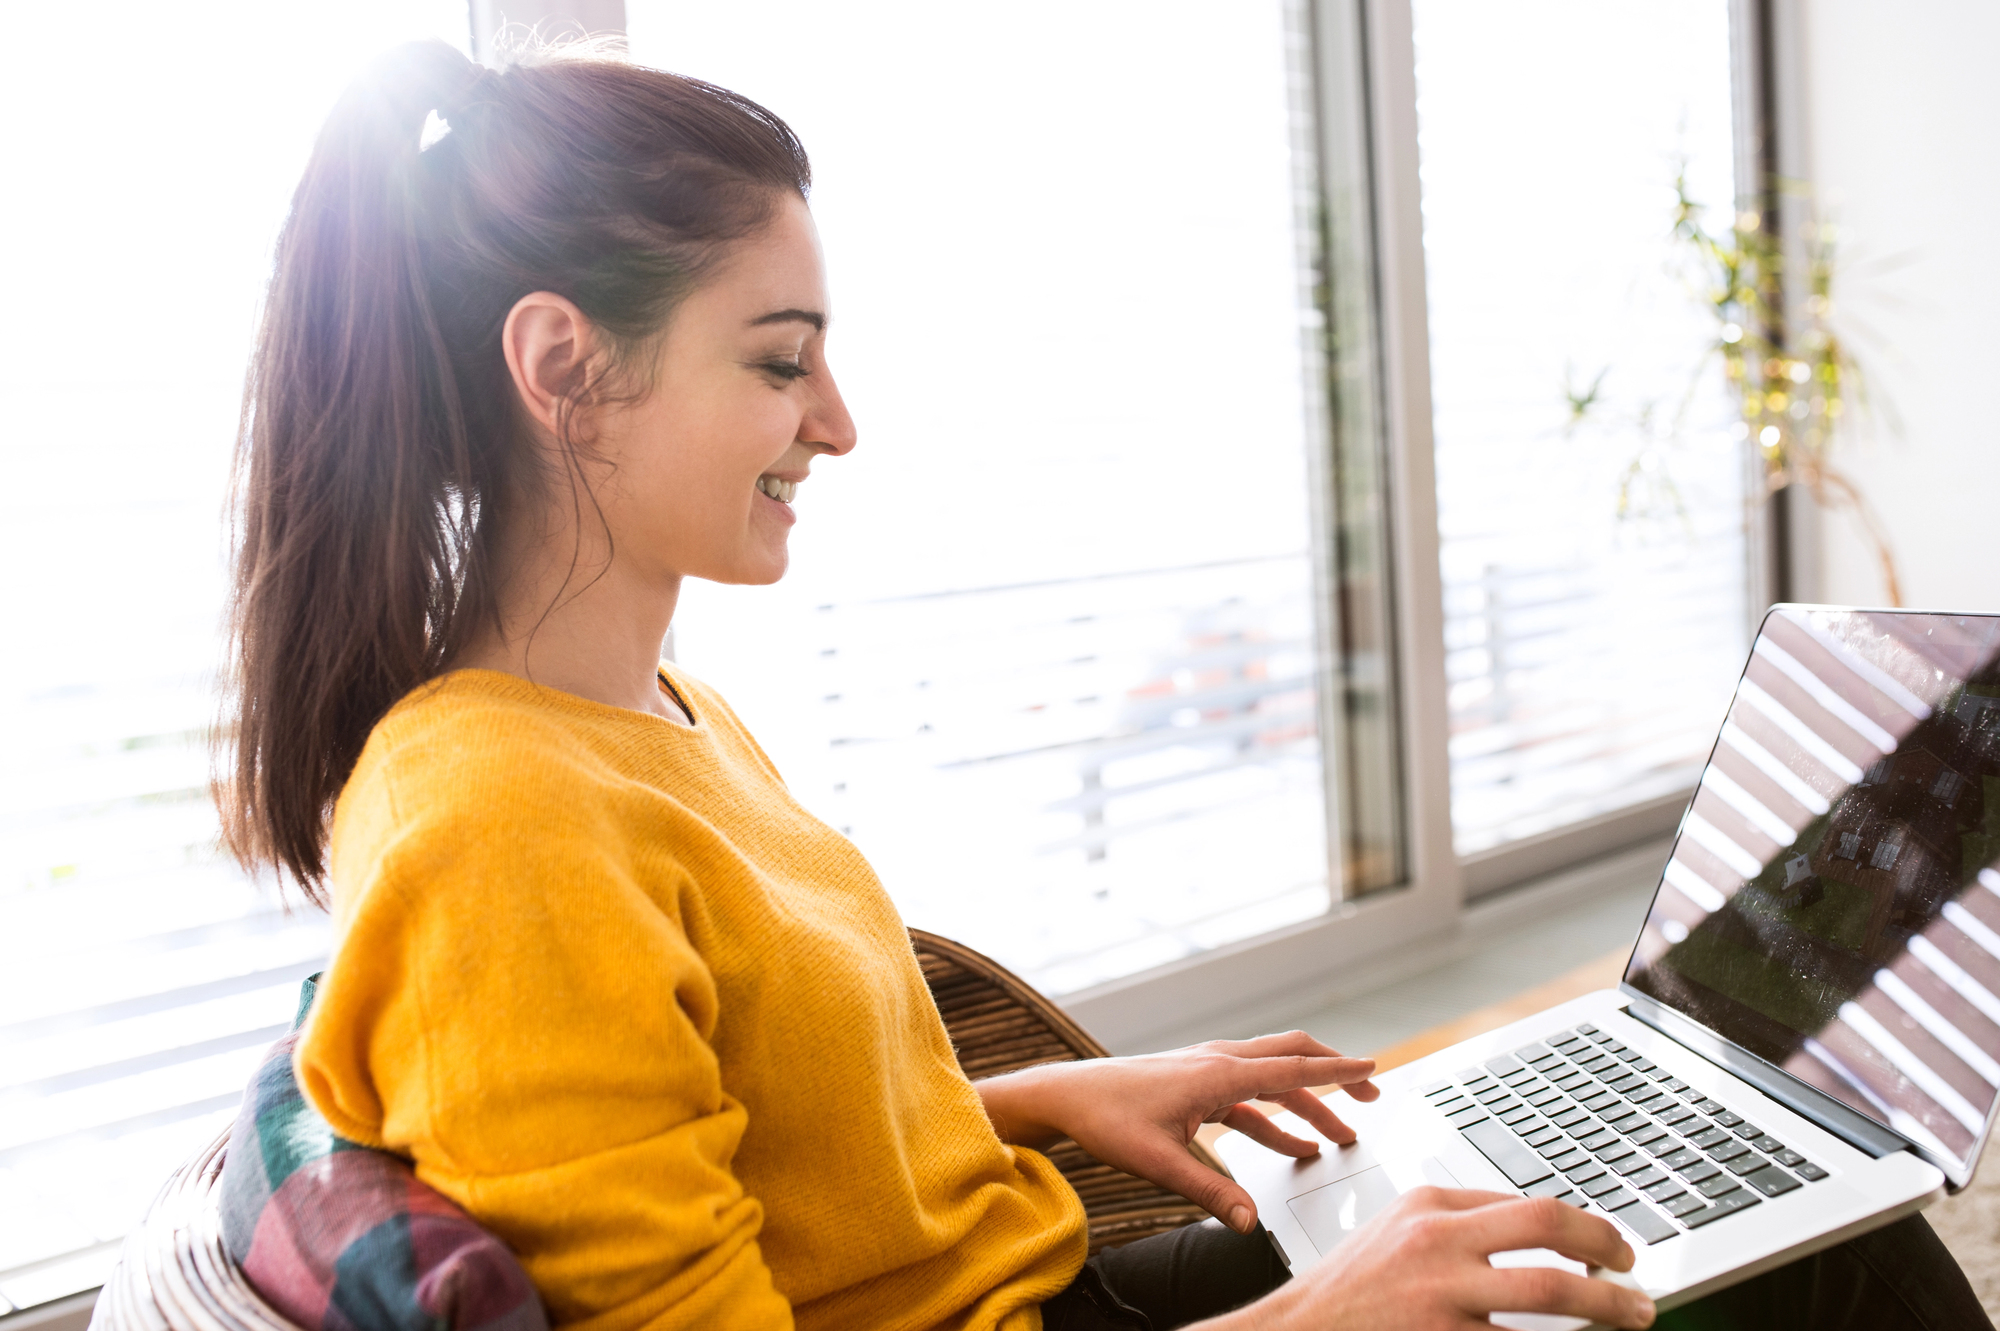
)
(704, 467)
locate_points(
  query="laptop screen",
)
(1832, 904)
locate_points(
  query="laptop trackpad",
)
(1331, 1213)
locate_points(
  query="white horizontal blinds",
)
(1046, 645)
(1851, 819)
(140, 976)
(1594, 567)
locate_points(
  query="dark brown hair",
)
(380, 442)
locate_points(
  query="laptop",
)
(1806, 1042)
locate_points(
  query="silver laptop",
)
(1806, 1044)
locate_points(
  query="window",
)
(1594, 566)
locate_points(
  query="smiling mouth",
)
(782, 491)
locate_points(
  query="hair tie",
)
(452, 110)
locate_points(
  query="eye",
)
(784, 370)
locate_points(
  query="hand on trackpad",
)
(1331, 1213)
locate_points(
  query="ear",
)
(548, 343)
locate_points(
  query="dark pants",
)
(1899, 1278)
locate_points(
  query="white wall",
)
(1901, 107)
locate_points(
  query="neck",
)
(586, 628)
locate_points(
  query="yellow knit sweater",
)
(658, 1028)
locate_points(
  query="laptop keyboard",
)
(1589, 1121)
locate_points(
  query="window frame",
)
(1365, 49)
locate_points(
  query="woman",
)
(540, 344)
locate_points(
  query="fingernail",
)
(1643, 1310)
(1239, 1220)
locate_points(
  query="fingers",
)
(1314, 1111)
(1290, 1072)
(1543, 1289)
(1543, 1222)
(1251, 1123)
(1169, 1164)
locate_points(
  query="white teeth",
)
(782, 491)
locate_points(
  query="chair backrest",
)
(997, 1024)
(175, 1272)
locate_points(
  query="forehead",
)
(779, 267)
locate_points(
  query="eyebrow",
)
(813, 317)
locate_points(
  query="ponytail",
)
(379, 444)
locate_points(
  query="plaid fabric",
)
(338, 1237)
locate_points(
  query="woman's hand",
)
(1139, 1114)
(1421, 1265)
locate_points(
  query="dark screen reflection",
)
(1833, 900)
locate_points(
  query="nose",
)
(826, 426)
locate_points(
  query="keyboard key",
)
(1470, 1075)
(1542, 1136)
(1451, 1104)
(1584, 1172)
(1676, 1085)
(1695, 1173)
(1647, 1135)
(1708, 1137)
(1647, 1177)
(1771, 1181)
(1728, 1151)
(1572, 1079)
(1682, 1205)
(1597, 1101)
(1514, 1113)
(1809, 1171)
(1644, 1064)
(1492, 1094)
(1787, 1156)
(1629, 1055)
(1664, 1190)
(1676, 1116)
(1625, 1083)
(1597, 1140)
(1617, 1150)
(1503, 1065)
(1652, 1102)
(1517, 1162)
(1708, 1106)
(1437, 1086)
(1567, 1041)
(1716, 1186)
(1722, 1206)
(1623, 1121)
(1768, 1144)
(1630, 1164)
(1527, 1053)
(1680, 1159)
(1518, 1077)
(1747, 1163)
(1549, 1094)
(1569, 1117)
(1560, 1146)
(1584, 1028)
(1727, 1119)
(1614, 1199)
(1548, 1187)
(1749, 1132)
(1599, 1186)
(1472, 1114)
(1572, 1159)
(1647, 1223)
(1476, 1082)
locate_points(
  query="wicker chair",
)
(175, 1274)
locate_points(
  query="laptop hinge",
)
(1807, 1101)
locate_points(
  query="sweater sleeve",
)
(518, 1009)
